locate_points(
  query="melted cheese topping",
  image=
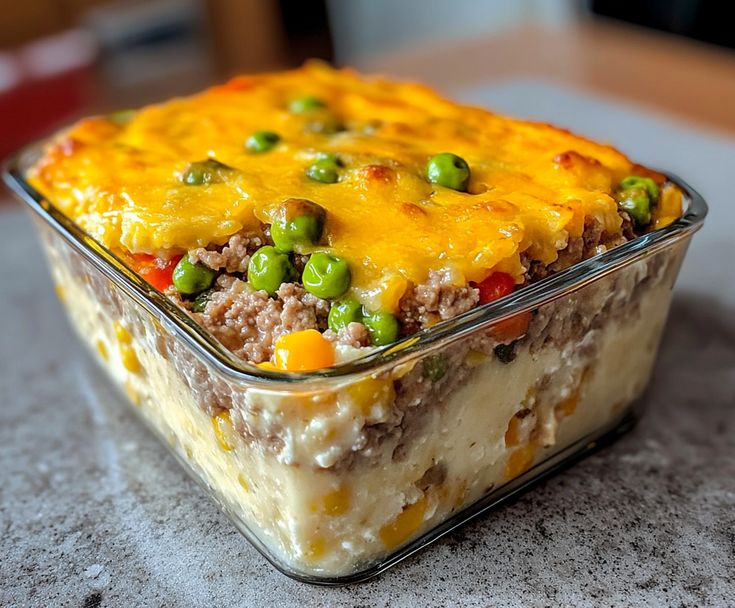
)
(532, 185)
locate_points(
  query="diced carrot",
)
(156, 271)
(511, 328)
(494, 287)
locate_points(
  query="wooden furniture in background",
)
(665, 72)
(246, 35)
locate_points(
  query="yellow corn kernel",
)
(243, 482)
(60, 293)
(123, 335)
(102, 350)
(131, 393)
(223, 430)
(567, 406)
(315, 549)
(336, 502)
(302, 351)
(513, 432)
(668, 209)
(473, 358)
(520, 460)
(403, 526)
(370, 391)
(129, 358)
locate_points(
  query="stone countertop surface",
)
(95, 513)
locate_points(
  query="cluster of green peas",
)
(298, 224)
(637, 195)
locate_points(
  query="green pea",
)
(382, 326)
(326, 276)
(262, 141)
(637, 203)
(448, 170)
(637, 181)
(343, 313)
(435, 367)
(204, 172)
(324, 169)
(200, 302)
(297, 223)
(190, 279)
(269, 268)
(331, 157)
(306, 103)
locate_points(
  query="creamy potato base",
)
(317, 518)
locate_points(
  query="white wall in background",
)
(365, 27)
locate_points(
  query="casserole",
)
(337, 473)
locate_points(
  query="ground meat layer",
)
(249, 322)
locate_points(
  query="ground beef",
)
(233, 257)
(249, 322)
(436, 300)
(592, 242)
(354, 335)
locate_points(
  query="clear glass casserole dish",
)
(314, 468)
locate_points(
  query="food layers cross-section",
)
(305, 219)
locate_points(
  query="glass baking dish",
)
(335, 476)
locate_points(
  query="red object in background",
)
(42, 84)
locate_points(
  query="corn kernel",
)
(567, 406)
(223, 430)
(474, 358)
(520, 460)
(129, 358)
(302, 351)
(123, 335)
(513, 432)
(668, 209)
(132, 394)
(336, 502)
(60, 293)
(102, 350)
(403, 526)
(371, 391)
(243, 482)
(315, 549)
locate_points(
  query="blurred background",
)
(64, 58)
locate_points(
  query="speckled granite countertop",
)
(94, 512)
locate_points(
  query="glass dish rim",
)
(378, 360)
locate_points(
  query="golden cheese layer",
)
(532, 186)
